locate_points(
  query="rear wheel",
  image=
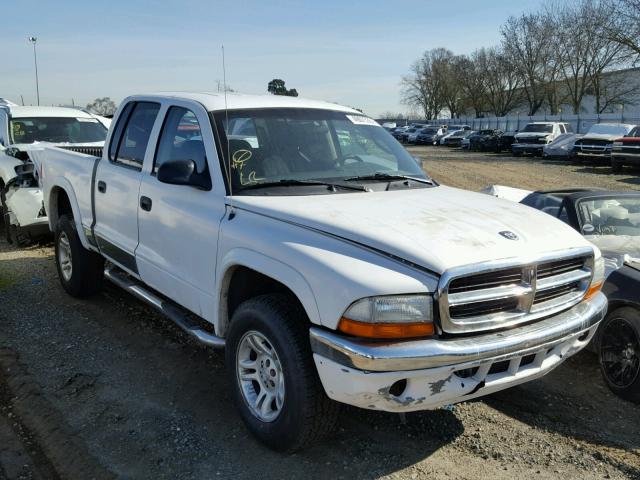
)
(273, 378)
(619, 352)
(80, 271)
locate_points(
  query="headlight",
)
(598, 277)
(392, 316)
(617, 144)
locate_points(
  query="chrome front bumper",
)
(436, 372)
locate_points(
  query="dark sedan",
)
(427, 136)
(484, 140)
(610, 220)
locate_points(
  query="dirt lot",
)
(105, 388)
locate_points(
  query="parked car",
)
(596, 145)
(427, 136)
(611, 221)
(456, 138)
(446, 134)
(458, 127)
(283, 254)
(412, 130)
(626, 150)
(24, 130)
(534, 136)
(484, 140)
(397, 133)
(465, 143)
(561, 146)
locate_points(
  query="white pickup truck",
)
(304, 239)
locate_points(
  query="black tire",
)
(616, 166)
(516, 154)
(307, 415)
(619, 352)
(87, 268)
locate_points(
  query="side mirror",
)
(588, 229)
(183, 172)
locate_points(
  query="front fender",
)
(283, 273)
(327, 274)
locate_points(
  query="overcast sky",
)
(350, 52)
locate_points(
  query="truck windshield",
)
(282, 144)
(538, 128)
(608, 129)
(611, 215)
(57, 130)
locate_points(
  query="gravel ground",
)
(105, 388)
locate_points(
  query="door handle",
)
(145, 203)
(102, 187)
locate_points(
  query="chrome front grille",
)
(499, 295)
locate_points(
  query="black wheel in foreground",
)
(273, 377)
(81, 271)
(619, 352)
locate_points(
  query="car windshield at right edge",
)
(273, 145)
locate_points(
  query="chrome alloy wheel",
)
(64, 256)
(260, 376)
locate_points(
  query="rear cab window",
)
(131, 135)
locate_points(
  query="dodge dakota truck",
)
(306, 241)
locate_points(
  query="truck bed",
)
(63, 166)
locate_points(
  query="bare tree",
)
(102, 106)
(502, 83)
(422, 87)
(526, 43)
(624, 27)
(471, 80)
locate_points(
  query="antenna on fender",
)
(226, 135)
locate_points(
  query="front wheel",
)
(273, 377)
(80, 271)
(619, 352)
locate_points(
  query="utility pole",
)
(33, 40)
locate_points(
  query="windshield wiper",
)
(389, 177)
(289, 182)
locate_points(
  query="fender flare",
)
(270, 267)
(61, 183)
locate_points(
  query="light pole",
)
(33, 40)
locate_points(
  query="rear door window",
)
(129, 142)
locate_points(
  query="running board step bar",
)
(169, 309)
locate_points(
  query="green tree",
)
(278, 87)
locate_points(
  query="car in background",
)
(596, 145)
(611, 221)
(561, 147)
(458, 127)
(626, 150)
(484, 140)
(534, 136)
(397, 132)
(448, 134)
(465, 143)
(412, 130)
(456, 138)
(23, 132)
(428, 136)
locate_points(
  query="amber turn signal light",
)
(593, 289)
(385, 330)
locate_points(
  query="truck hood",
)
(437, 228)
(600, 136)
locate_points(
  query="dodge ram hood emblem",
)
(509, 235)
